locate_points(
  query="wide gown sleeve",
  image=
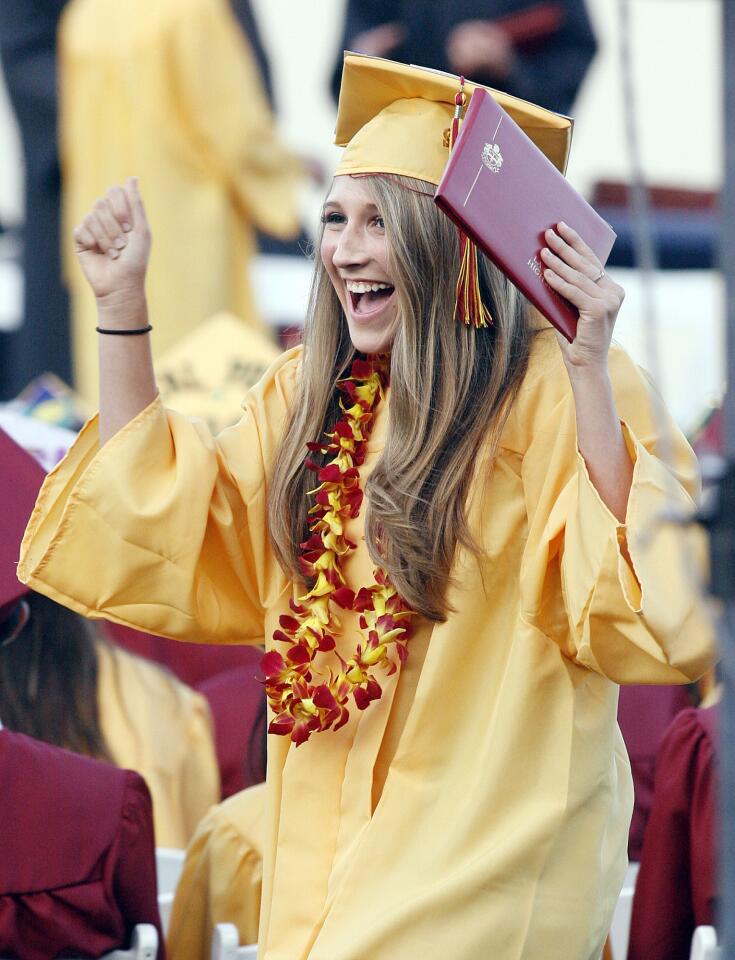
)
(620, 598)
(164, 527)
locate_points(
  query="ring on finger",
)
(599, 276)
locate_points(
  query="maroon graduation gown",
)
(644, 715)
(676, 889)
(77, 868)
(235, 698)
(192, 663)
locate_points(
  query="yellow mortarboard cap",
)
(392, 119)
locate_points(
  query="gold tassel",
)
(468, 305)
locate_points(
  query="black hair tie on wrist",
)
(126, 333)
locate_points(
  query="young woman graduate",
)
(453, 578)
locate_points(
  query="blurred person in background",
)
(222, 877)
(78, 870)
(28, 56)
(237, 702)
(267, 242)
(245, 16)
(644, 716)
(172, 91)
(535, 49)
(62, 684)
(677, 885)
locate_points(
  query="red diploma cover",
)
(502, 191)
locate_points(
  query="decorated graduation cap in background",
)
(402, 120)
(20, 480)
(200, 379)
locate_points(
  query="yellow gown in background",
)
(156, 725)
(222, 877)
(169, 91)
(480, 808)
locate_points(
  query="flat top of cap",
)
(370, 84)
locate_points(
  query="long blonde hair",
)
(450, 392)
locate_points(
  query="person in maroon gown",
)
(77, 856)
(237, 700)
(644, 715)
(676, 889)
(78, 869)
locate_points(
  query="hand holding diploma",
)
(573, 270)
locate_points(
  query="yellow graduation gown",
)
(156, 725)
(481, 807)
(222, 877)
(169, 91)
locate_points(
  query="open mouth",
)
(368, 298)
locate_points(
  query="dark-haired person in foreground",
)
(77, 858)
(60, 682)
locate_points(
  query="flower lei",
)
(303, 698)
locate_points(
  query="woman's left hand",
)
(574, 271)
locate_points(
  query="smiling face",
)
(355, 255)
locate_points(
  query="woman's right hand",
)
(113, 244)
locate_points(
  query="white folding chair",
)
(169, 864)
(620, 929)
(226, 944)
(143, 946)
(704, 944)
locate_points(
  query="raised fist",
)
(113, 242)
